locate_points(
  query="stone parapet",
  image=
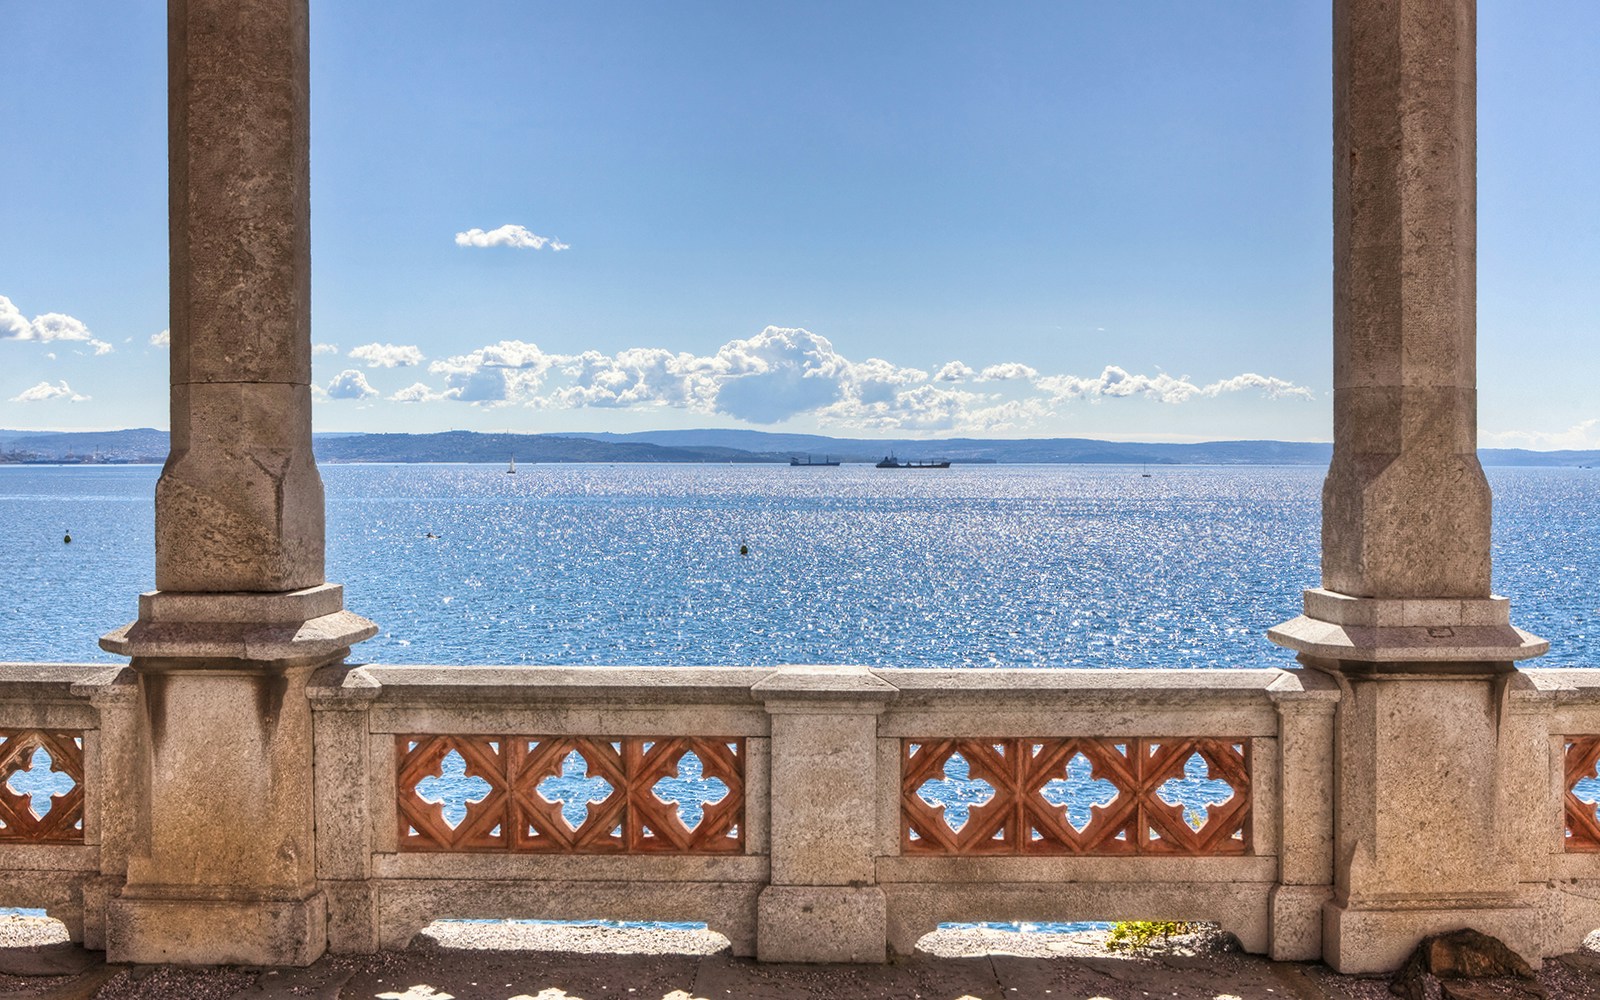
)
(822, 874)
(822, 869)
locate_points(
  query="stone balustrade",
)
(841, 814)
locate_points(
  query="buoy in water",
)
(744, 550)
(67, 538)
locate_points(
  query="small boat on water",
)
(795, 463)
(890, 462)
(511, 469)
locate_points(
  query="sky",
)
(1062, 218)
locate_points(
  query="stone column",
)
(223, 867)
(823, 903)
(1404, 619)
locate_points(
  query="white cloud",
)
(162, 339)
(1272, 388)
(508, 236)
(44, 391)
(1581, 436)
(324, 349)
(1116, 383)
(387, 355)
(350, 384)
(507, 372)
(782, 373)
(13, 325)
(777, 374)
(417, 392)
(642, 376)
(1007, 371)
(46, 327)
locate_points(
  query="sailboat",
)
(511, 469)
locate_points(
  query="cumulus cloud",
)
(46, 328)
(417, 392)
(508, 372)
(387, 355)
(13, 325)
(350, 384)
(1117, 383)
(954, 371)
(782, 373)
(508, 236)
(324, 349)
(1006, 372)
(638, 377)
(162, 339)
(777, 374)
(45, 391)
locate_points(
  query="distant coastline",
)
(144, 445)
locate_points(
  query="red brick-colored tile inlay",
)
(629, 787)
(1583, 829)
(60, 820)
(1168, 796)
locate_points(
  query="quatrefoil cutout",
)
(40, 783)
(453, 789)
(575, 789)
(1196, 792)
(690, 790)
(958, 792)
(1079, 792)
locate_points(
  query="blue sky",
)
(1040, 219)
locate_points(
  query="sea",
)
(977, 567)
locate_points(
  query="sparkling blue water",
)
(976, 566)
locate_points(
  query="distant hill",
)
(142, 444)
(1078, 451)
(715, 445)
(1059, 450)
(468, 446)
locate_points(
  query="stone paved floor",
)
(519, 962)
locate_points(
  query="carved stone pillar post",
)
(1404, 619)
(823, 904)
(222, 864)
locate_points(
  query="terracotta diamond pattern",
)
(1197, 775)
(41, 787)
(615, 787)
(1582, 792)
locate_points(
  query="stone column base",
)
(352, 917)
(1358, 940)
(797, 923)
(151, 931)
(1296, 932)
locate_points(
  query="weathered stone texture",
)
(223, 819)
(821, 924)
(239, 504)
(1405, 506)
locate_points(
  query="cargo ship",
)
(890, 462)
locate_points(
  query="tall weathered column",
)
(1405, 619)
(222, 868)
